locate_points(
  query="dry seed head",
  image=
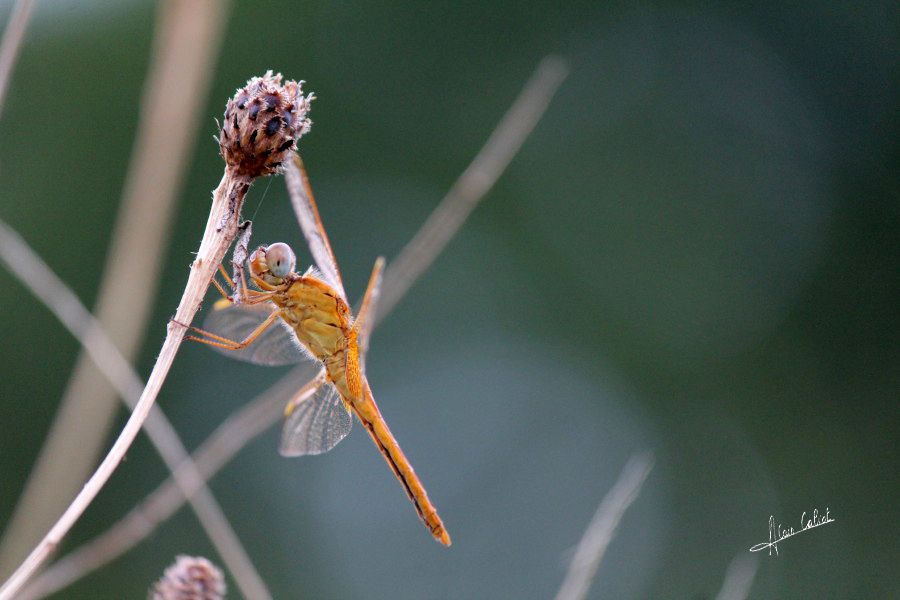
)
(190, 578)
(262, 124)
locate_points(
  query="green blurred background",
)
(696, 254)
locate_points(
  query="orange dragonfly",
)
(292, 317)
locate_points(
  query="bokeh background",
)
(695, 254)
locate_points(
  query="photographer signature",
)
(778, 534)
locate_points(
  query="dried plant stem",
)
(602, 527)
(48, 288)
(476, 181)
(220, 230)
(12, 41)
(186, 41)
(264, 411)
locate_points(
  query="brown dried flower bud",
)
(262, 124)
(190, 578)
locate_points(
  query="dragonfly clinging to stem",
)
(291, 317)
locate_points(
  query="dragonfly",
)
(291, 318)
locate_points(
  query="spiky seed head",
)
(190, 578)
(263, 122)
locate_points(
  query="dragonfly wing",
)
(365, 318)
(316, 425)
(276, 346)
(308, 214)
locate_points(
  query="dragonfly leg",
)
(245, 291)
(219, 285)
(219, 341)
(249, 296)
(227, 277)
(255, 297)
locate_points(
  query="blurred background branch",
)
(602, 528)
(476, 181)
(739, 577)
(186, 45)
(12, 42)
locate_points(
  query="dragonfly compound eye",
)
(280, 259)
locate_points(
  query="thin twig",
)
(186, 41)
(476, 181)
(739, 577)
(12, 41)
(34, 273)
(220, 231)
(265, 410)
(602, 527)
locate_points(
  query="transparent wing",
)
(308, 214)
(276, 346)
(365, 318)
(316, 424)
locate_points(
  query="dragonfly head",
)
(270, 265)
